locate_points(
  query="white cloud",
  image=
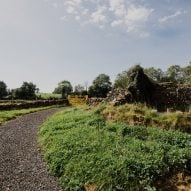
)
(138, 14)
(137, 17)
(74, 3)
(129, 15)
(165, 19)
(118, 7)
(134, 19)
(72, 6)
(99, 16)
(117, 23)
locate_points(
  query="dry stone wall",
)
(33, 104)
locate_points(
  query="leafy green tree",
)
(80, 90)
(3, 89)
(122, 80)
(64, 88)
(26, 91)
(100, 86)
(155, 74)
(187, 73)
(175, 74)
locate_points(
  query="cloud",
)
(117, 23)
(129, 15)
(118, 7)
(72, 6)
(133, 18)
(167, 18)
(137, 17)
(98, 16)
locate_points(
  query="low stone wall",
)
(33, 104)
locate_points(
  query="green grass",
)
(12, 114)
(139, 114)
(83, 150)
(49, 95)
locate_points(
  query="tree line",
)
(102, 84)
(27, 90)
(175, 74)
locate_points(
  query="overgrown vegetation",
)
(140, 114)
(8, 115)
(86, 153)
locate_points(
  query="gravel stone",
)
(21, 165)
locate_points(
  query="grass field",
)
(12, 114)
(49, 95)
(87, 153)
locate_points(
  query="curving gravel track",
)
(21, 164)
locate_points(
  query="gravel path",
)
(21, 164)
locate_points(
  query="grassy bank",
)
(139, 114)
(12, 114)
(86, 153)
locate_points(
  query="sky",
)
(47, 41)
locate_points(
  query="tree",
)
(26, 91)
(80, 90)
(187, 73)
(122, 80)
(100, 86)
(175, 74)
(3, 89)
(64, 88)
(155, 74)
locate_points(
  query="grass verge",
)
(12, 114)
(86, 153)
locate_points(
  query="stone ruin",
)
(161, 96)
(165, 95)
